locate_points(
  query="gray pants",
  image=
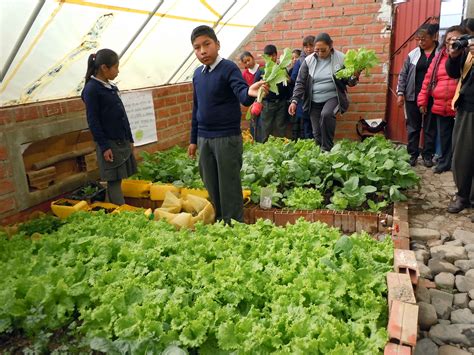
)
(114, 192)
(323, 120)
(220, 161)
(463, 153)
(274, 118)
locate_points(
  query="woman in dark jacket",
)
(440, 87)
(410, 81)
(323, 94)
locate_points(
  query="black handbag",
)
(365, 129)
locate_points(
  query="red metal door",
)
(407, 18)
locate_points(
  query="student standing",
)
(274, 106)
(219, 89)
(108, 123)
(460, 65)
(440, 87)
(410, 81)
(296, 120)
(252, 74)
(308, 48)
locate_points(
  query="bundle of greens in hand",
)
(274, 74)
(355, 62)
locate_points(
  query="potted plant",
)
(90, 192)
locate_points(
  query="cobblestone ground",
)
(427, 205)
(444, 248)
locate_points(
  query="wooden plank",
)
(399, 288)
(41, 179)
(405, 263)
(60, 157)
(403, 323)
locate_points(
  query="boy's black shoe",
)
(438, 170)
(457, 205)
(413, 161)
(428, 162)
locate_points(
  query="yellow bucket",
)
(158, 191)
(136, 188)
(65, 207)
(196, 192)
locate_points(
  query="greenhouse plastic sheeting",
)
(45, 44)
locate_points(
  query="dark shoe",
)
(438, 169)
(428, 162)
(413, 161)
(472, 219)
(457, 205)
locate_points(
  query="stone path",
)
(444, 248)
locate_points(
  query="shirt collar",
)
(108, 85)
(213, 65)
(254, 69)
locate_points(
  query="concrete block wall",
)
(351, 24)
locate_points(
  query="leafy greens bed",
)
(123, 284)
(354, 175)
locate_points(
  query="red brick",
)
(170, 100)
(292, 15)
(375, 29)
(403, 323)
(6, 205)
(312, 13)
(401, 243)
(344, 2)
(52, 109)
(163, 112)
(359, 41)
(301, 5)
(3, 152)
(396, 349)
(5, 116)
(368, 222)
(325, 216)
(404, 261)
(273, 36)
(74, 105)
(333, 11)
(5, 170)
(399, 288)
(265, 214)
(354, 10)
(26, 113)
(363, 20)
(174, 110)
(6, 186)
(282, 26)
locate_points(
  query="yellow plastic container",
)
(126, 208)
(108, 207)
(196, 192)
(136, 188)
(158, 191)
(65, 207)
(246, 194)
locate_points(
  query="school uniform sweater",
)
(106, 114)
(216, 104)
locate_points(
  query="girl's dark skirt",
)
(124, 164)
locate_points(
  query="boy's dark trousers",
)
(274, 118)
(463, 153)
(307, 127)
(220, 161)
(415, 121)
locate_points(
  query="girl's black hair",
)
(245, 54)
(457, 28)
(103, 56)
(324, 37)
(203, 30)
(428, 28)
(308, 40)
(468, 23)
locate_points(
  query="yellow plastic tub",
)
(65, 207)
(126, 208)
(136, 188)
(196, 192)
(106, 206)
(158, 191)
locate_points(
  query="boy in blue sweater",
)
(219, 89)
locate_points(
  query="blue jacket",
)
(106, 114)
(217, 98)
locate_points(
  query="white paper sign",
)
(141, 115)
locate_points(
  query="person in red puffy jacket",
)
(439, 86)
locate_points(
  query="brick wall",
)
(173, 108)
(351, 24)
